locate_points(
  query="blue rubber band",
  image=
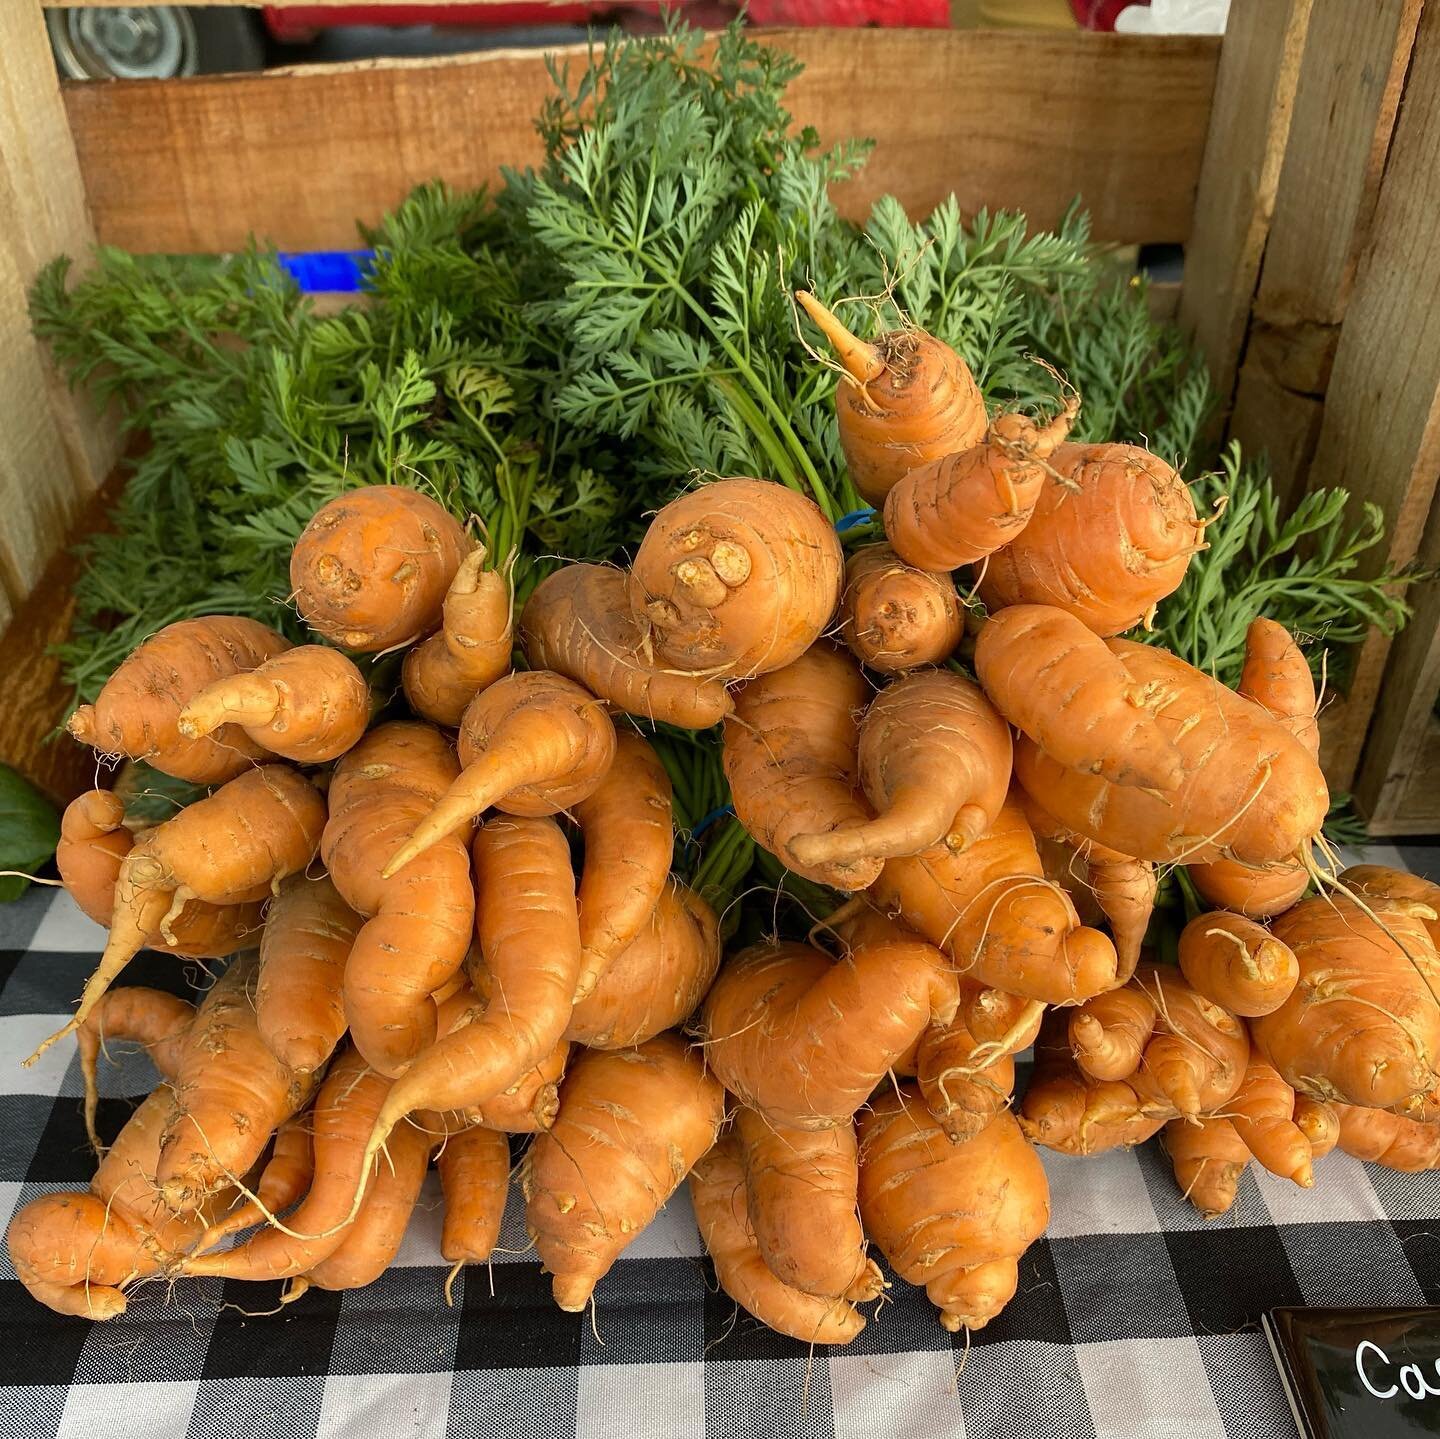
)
(855, 517)
(335, 272)
(725, 809)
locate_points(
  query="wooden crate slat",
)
(1351, 78)
(36, 698)
(1380, 437)
(1398, 786)
(1019, 120)
(55, 452)
(1249, 125)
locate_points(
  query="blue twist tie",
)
(725, 809)
(855, 517)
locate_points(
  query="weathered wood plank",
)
(1003, 118)
(53, 453)
(1250, 121)
(1280, 423)
(1398, 786)
(1351, 79)
(1381, 433)
(36, 698)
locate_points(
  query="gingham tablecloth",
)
(1134, 1317)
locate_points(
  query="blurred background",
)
(135, 42)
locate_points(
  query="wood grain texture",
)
(1381, 434)
(1283, 424)
(1254, 99)
(1398, 786)
(1004, 119)
(36, 698)
(1351, 78)
(53, 454)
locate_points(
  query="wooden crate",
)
(1339, 366)
(1224, 147)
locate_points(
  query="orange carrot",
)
(895, 617)
(228, 849)
(299, 997)
(1277, 677)
(1108, 1034)
(372, 1239)
(1237, 963)
(1001, 923)
(531, 744)
(962, 508)
(138, 711)
(230, 1094)
(903, 400)
(656, 981)
(804, 1039)
(1125, 890)
(1195, 1059)
(1375, 881)
(527, 1106)
(1263, 1113)
(371, 569)
(1319, 1123)
(444, 673)
(530, 938)
(1256, 892)
(1208, 1157)
(578, 623)
(418, 922)
(1064, 1109)
(1250, 790)
(474, 1170)
(632, 1123)
(791, 759)
(934, 760)
(953, 1217)
(1389, 1139)
(1055, 680)
(800, 1189)
(722, 1213)
(154, 1019)
(965, 1083)
(735, 579)
(1362, 1026)
(308, 705)
(344, 1111)
(1107, 542)
(628, 848)
(94, 841)
(74, 1252)
(283, 1181)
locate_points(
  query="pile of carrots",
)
(468, 927)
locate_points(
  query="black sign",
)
(1359, 1373)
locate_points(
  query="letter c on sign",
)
(1360, 1349)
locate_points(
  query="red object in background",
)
(1100, 14)
(296, 24)
(892, 14)
(299, 23)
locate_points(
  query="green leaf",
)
(29, 831)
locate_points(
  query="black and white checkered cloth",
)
(1134, 1318)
